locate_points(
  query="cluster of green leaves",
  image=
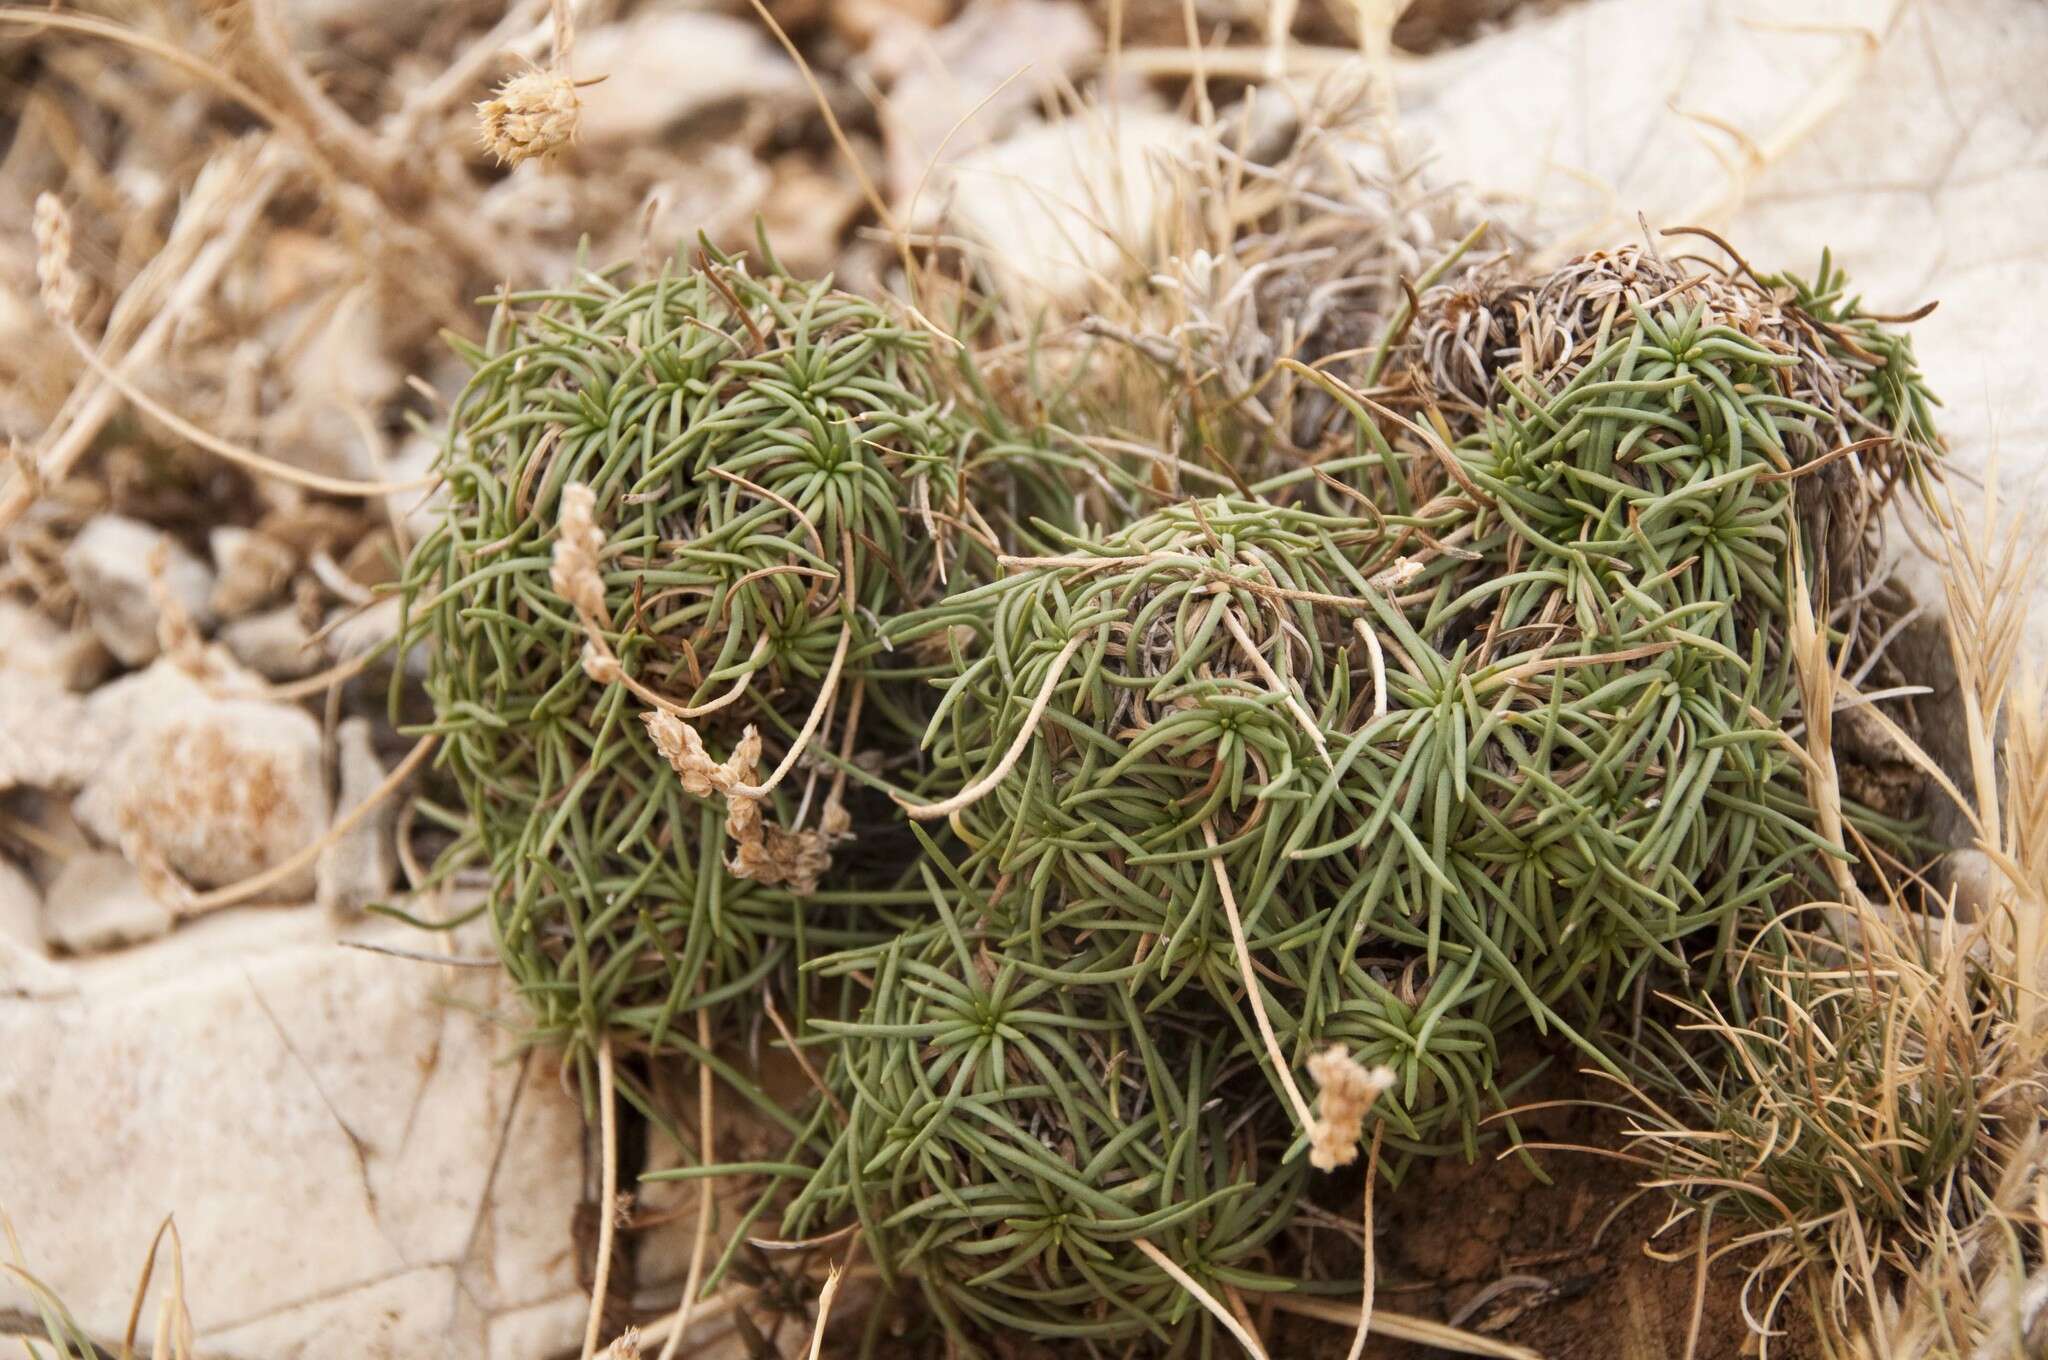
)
(1004, 1131)
(1458, 730)
(1478, 754)
(778, 469)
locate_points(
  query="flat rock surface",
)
(356, 1168)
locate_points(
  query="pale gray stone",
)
(359, 868)
(220, 787)
(109, 565)
(274, 643)
(663, 65)
(97, 902)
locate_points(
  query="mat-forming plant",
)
(1112, 849)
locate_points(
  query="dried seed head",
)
(600, 665)
(1348, 1091)
(682, 747)
(533, 114)
(792, 859)
(58, 280)
(762, 851)
(575, 574)
(627, 1347)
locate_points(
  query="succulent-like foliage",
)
(769, 470)
(1468, 718)
(1007, 1133)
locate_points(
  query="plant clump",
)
(1471, 716)
(678, 514)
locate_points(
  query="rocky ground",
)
(193, 697)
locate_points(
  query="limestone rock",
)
(1053, 206)
(220, 787)
(44, 741)
(275, 643)
(960, 89)
(418, 510)
(36, 646)
(362, 864)
(860, 22)
(26, 973)
(356, 632)
(664, 65)
(99, 902)
(47, 739)
(250, 569)
(25, 970)
(551, 1328)
(21, 906)
(399, 1317)
(109, 566)
(357, 1171)
(808, 210)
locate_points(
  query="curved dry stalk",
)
(1405, 1327)
(828, 689)
(706, 1202)
(975, 792)
(1272, 677)
(610, 671)
(246, 459)
(1251, 984)
(1378, 657)
(205, 246)
(1372, 1175)
(1202, 1296)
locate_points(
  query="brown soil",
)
(1549, 1251)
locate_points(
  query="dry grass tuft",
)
(1862, 1108)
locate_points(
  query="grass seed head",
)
(62, 291)
(533, 115)
(1346, 1093)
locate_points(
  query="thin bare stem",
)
(1372, 1176)
(1202, 1296)
(974, 792)
(700, 1237)
(608, 1213)
(1251, 984)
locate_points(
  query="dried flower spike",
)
(54, 274)
(1348, 1091)
(682, 747)
(574, 573)
(762, 851)
(775, 857)
(533, 114)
